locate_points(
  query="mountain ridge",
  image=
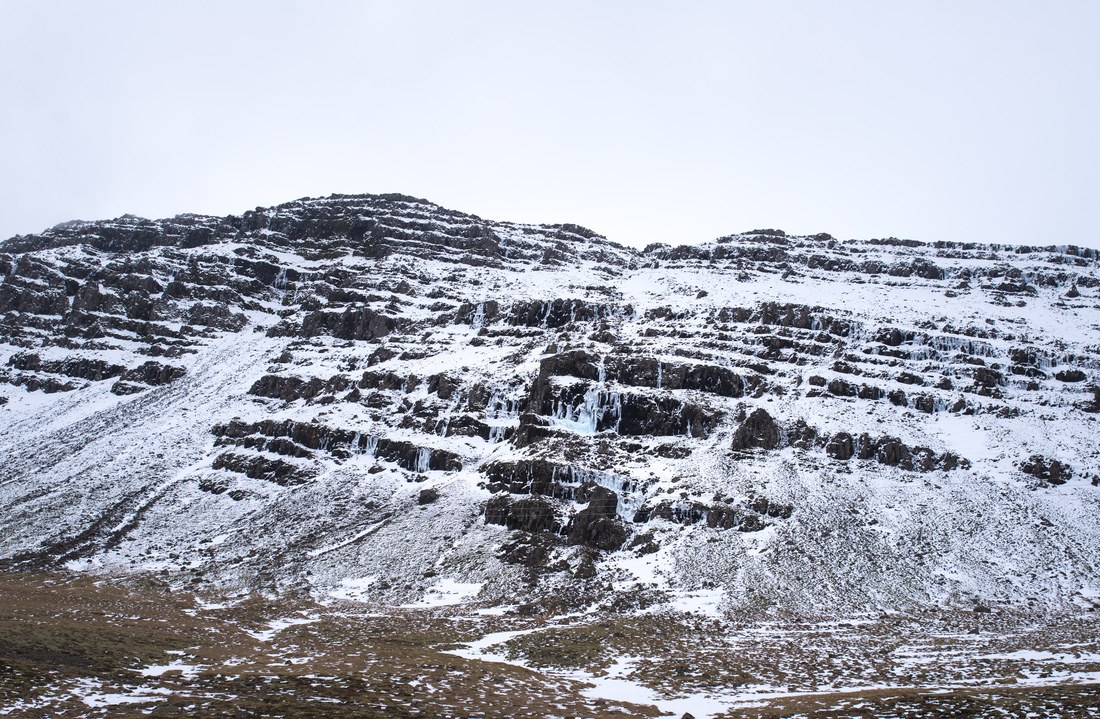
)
(373, 395)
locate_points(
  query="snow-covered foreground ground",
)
(75, 646)
(818, 664)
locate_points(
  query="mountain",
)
(375, 397)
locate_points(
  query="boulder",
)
(840, 446)
(758, 431)
(1070, 375)
(598, 525)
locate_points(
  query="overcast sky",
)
(645, 121)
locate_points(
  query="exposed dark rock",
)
(20, 295)
(650, 379)
(214, 485)
(131, 381)
(443, 385)
(719, 516)
(768, 508)
(988, 377)
(586, 568)
(680, 512)
(380, 355)
(388, 381)
(842, 388)
(124, 388)
(352, 324)
(257, 467)
(893, 453)
(598, 525)
(287, 437)
(644, 543)
(574, 363)
(840, 446)
(79, 367)
(560, 312)
(1027, 371)
(625, 413)
(1049, 470)
(154, 373)
(758, 431)
(1014, 288)
(924, 403)
(532, 550)
(33, 383)
(217, 316)
(637, 372)
(530, 514)
(1028, 356)
(641, 372)
(1091, 406)
(540, 476)
(290, 389)
(787, 315)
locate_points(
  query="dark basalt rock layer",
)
(296, 439)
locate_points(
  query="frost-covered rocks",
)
(376, 387)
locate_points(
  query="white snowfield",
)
(374, 484)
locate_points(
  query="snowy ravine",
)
(373, 397)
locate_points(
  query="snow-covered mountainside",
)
(377, 397)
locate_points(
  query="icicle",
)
(280, 279)
(658, 375)
(423, 459)
(372, 446)
(479, 316)
(587, 415)
(446, 422)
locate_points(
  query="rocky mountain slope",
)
(375, 397)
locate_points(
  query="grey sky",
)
(674, 122)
